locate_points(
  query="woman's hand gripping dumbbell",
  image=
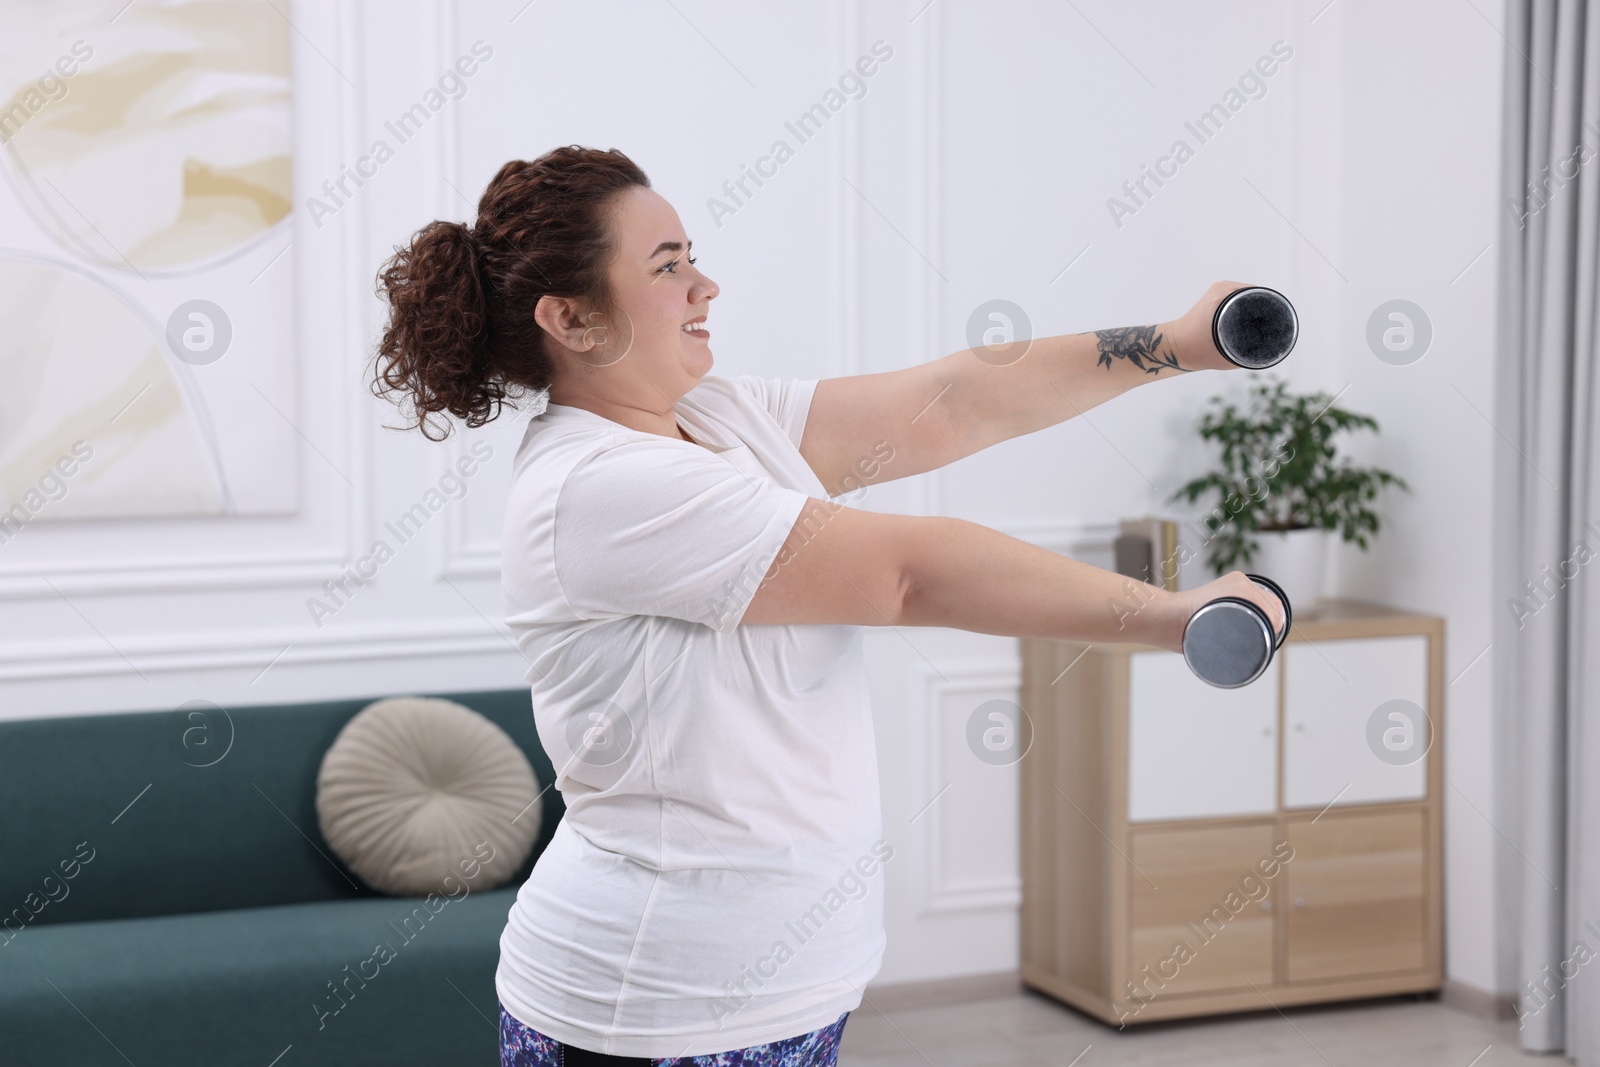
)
(1248, 326)
(1228, 630)
(1229, 640)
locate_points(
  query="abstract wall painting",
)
(146, 277)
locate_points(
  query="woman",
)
(691, 602)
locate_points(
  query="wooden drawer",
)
(1200, 917)
(1357, 895)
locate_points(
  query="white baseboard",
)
(902, 996)
(1470, 1000)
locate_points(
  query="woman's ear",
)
(561, 318)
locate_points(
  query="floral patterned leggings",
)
(523, 1046)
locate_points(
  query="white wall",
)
(1419, 172)
(977, 165)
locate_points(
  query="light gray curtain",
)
(1546, 578)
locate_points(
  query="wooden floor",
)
(1032, 1030)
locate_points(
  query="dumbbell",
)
(1255, 327)
(1229, 641)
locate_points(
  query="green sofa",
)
(167, 900)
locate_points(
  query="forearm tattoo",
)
(1140, 345)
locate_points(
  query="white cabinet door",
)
(1344, 742)
(1195, 750)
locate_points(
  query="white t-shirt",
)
(716, 880)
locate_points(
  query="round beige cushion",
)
(420, 795)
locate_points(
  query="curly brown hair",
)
(461, 335)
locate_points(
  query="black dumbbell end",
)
(1228, 642)
(1255, 327)
(1288, 612)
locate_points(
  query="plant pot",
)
(1295, 559)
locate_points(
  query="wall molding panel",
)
(258, 651)
(941, 699)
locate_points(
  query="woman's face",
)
(644, 355)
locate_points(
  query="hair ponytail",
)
(438, 325)
(461, 336)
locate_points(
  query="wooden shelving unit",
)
(1189, 851)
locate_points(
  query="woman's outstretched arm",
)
(865, 568)
(970, 577)
(929, 415)
(1057, 378)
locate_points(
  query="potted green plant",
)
(1282, 489)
